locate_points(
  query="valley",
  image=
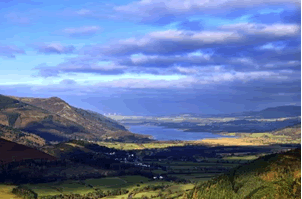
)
(97, 157)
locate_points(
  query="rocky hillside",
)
(21, 137)
(55, 120)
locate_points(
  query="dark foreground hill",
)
(55, 120)
(275, 176)
(13, 152)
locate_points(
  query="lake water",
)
(160, 133)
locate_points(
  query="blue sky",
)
(153, 57)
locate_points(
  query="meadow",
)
(136, 185)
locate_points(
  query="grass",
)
(134, 146)
(134, 179)
(197, 177)
(108, 183)
(272, 176)
(105, 182)
(55, 188)
(6, 192)
(247, 157)
(170, 192)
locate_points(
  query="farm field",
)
(135, 146)
(56, 188)
(170, 192)
(241, 158)
(90, 185)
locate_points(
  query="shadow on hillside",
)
(121, 162)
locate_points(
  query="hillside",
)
(55, 120)
(13, 152)
(272, 112)
(271, 176)
(21, 137)
(280, 111)
(88, 119)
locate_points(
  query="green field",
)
(170, 192)
(90, 185)
(66, 187)
(134, 146)
(106, 182)
(247, 157)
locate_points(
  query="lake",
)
(165, 134)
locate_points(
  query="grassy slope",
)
(272, 176)
(96, 125)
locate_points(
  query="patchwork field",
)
(90, 185)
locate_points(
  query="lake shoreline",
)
(160, 133)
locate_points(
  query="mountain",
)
(55, 120)
(272, 112)
(13, 152)
(271, 176)
(21, 137)
(280, 111)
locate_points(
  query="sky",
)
(153, 57)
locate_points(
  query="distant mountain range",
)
(55, 120)
(273, 112)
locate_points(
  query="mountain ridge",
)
(55, 120)
(270, 112)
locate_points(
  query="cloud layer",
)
(157, 55)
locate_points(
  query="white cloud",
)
(55, 48)
(84, 30)
(84, 12)
(147, 8)
(264, 29)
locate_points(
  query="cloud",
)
(82, 31)
(84, 12)
(194, 25)
(173, 42)
(10, 51)
(69, 67)
(286, 16)
(238, 52)
(165, 43)
(277, 30)
(45, 71)
(68, 82)
(55, 48)
(164, 12)
(240, 47)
